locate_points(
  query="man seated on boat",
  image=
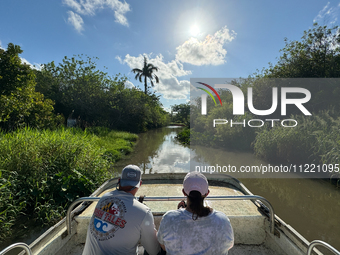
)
(195, 229)
(120, 221)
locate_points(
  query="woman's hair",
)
(196, 205)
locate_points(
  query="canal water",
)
(311, 206)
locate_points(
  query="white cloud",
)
(167, 109)
(24, 61)
(90, 7)
(334, 21)
(321, 13)
(129, 85)
(169, 86)
(74, 5)
(120, 18)
(120, 9)
(35, 66)
(173, 89)
(328, 15)
(119, 59)
(172, 68)
(75, 20)
(210, 51)
(171, 159)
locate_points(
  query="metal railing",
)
(71, 207)
(17, 245)
(246, 197)
(321, 243)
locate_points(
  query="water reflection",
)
(311, 206)
(170, 157)
(157, 151)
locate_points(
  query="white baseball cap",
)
(195, 181)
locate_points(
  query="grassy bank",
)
(41, 172)
(314, 141)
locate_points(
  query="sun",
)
(194, 30)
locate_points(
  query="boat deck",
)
(236, 250)
(230, 208)
(247, 221)
(253, 232)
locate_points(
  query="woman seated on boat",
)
(195, 229)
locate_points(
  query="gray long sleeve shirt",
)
(119, 222)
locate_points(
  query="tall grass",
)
(43, 171)
(314, 140)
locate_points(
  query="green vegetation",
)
(42, 172)
(20, 104)
(316, 139)
(315, 56)
(95, 99)
(184, 136)
(76, 90)
(180, 113)
(43, 166)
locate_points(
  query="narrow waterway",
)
(311, 206)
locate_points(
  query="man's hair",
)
(196, 205)
(126, 188)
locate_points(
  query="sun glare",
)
(194, 30)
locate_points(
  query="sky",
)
(184, 39)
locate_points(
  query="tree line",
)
(74, 89)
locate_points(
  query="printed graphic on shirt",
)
(108, 217)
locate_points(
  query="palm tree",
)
(147, 72)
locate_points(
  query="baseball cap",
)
(195, 181)
(131, 176)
